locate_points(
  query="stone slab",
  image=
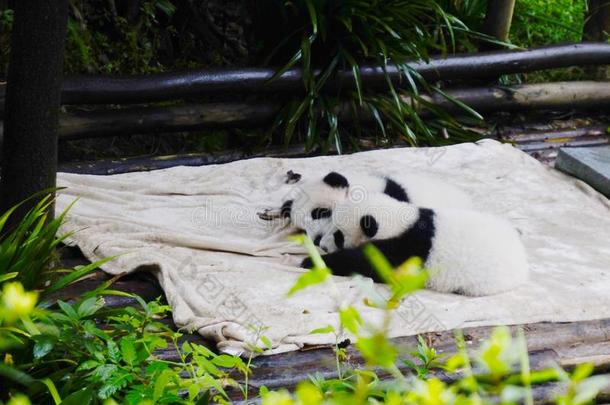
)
(589, 164)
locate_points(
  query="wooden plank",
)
(140, 164)
(153, 119)
(550, 134)
(560, 143)
(546, 394)
(542, 394)
(549, 344)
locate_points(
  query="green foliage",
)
(81, 352)
(325, 36)
(6, 26)
(501, 372)
(317, 275)
(91, 354)
(541, 22)
(426, 359)
(28, 249)
(102, 40)
(471, 13)
(406, 278)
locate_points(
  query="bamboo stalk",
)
(498, 18)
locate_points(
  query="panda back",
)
(431, 192)
(475, 254)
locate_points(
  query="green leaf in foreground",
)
(323, 330)
(406, 278)
(318, 274)
(311, 277)
(350, 319)
(377, 350)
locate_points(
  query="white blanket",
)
(225, 272)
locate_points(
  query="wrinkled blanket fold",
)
(225, 272)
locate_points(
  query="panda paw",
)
(307, 263)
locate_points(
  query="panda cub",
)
(310, 204)
(467, 252)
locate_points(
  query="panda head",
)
(376, 216)
(310, 204)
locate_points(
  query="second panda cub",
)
(467, 252)
(310, 203)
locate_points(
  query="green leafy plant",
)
(498, 371)
(85, 353)
(539, 22)
(28, 249)
(325, 36)
(427, 359)
(102, 40)
(80, 352)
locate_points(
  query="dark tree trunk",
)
(29, 153)
(498, 18)
(597, 28)
(133, 10)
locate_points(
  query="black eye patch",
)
(339, 239)
(286, 209)
(317, 240)
(369, 226)
(319, 213)
(336, 180)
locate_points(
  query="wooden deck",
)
(565, 344)
(542, 140)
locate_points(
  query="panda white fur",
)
(467, 252)
(310, 203)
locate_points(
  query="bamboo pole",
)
(498, 18)
(597, 28)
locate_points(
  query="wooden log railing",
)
(105, 121)
(104, 90)
(169, 86)
(191, 117)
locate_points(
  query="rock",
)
(589, 164)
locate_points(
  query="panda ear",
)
(286, 209)
(336, 180)
(369, 226)
(292, 177)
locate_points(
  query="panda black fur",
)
(467, 252)
(311, 204)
